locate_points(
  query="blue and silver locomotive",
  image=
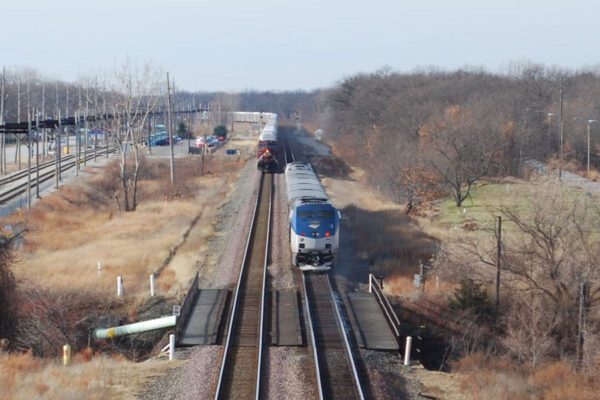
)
(314, 222)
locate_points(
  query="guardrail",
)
(386, 307)
(186, 307)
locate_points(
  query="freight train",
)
(268, 147)
(314, 222)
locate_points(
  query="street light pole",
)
(560, 130)
(588, 145)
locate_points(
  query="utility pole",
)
(44, 117)
(18, 139)
(583, 294)
(28, 158)
(77, 140)
(96, 118)
(67, 116)
(57, 154)
(170, 131)
(85, 123)
(105, 130)
(561, 132)
(37, 154)
(2, 160)
(28, 113)
(498, 260)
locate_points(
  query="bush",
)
(471, 299)
(7, 290)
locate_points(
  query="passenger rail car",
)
(314, 222)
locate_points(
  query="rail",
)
(241, 327)
(21, 188)
(346, 343)
(313, 342)
(337, 375)
(288, 153)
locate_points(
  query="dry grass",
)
(493, 378)
(75, 228)
(23, 376)
(391, 240)
(354, 191)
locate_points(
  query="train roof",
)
(303, 184)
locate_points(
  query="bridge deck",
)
(285, 325)
(369, 323)
(205, 318)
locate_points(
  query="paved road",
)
(568, 178)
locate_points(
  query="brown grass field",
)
(70, 232)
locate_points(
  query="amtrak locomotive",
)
(314, 222)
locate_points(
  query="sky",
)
(235, 45)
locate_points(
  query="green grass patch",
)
(482, 206)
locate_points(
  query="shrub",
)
(471, 299)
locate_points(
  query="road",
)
(568, 178)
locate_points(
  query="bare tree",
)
(550, 252)
(135, 93)
(455, 151)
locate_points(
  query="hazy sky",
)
(281, 44)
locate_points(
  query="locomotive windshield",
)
(312, 214)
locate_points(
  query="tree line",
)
(434, 131)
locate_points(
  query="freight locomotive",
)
(314, 222)
(268, 147)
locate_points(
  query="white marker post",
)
(407, 351)
(171, 347)
(151, 285)
(99, 268)
(66, 354)
(119, 286)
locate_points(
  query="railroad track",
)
(337, 375)
(288, 154)
(240, 374)
(46, 172)
(23, 173)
